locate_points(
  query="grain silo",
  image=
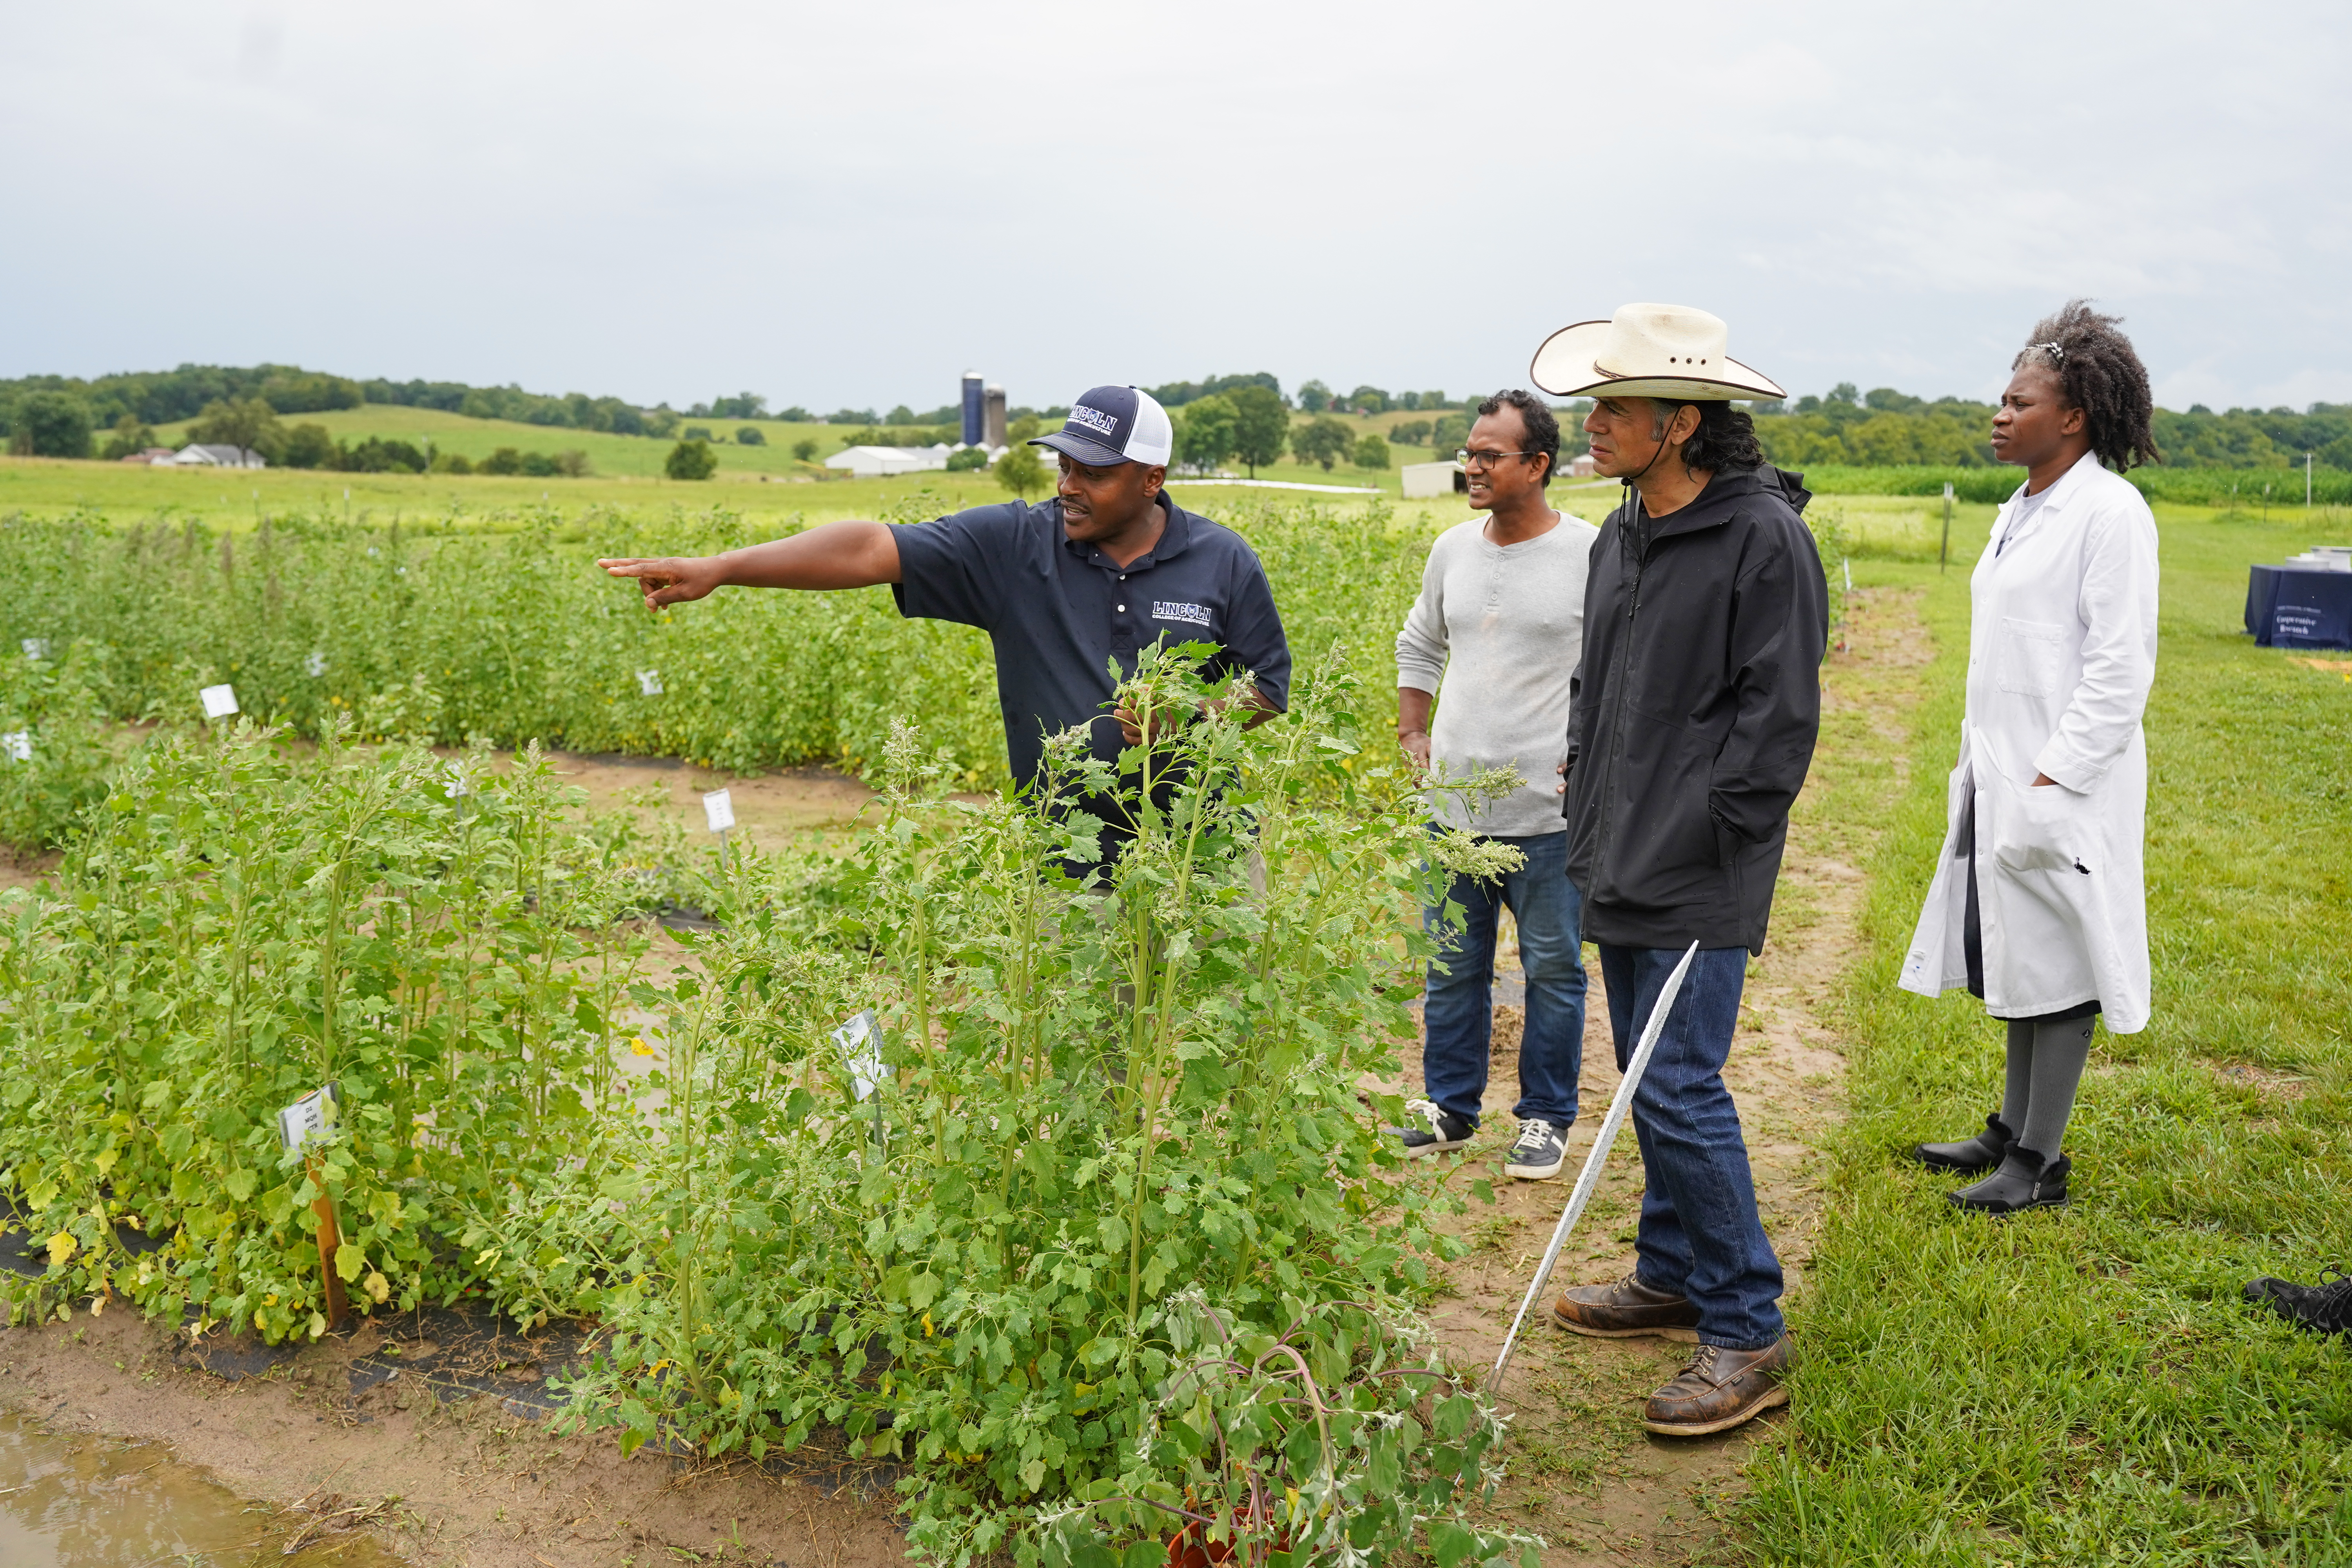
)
(975, 409)
(993, 427)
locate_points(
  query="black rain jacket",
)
(1694, 712)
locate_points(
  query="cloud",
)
(836, 204)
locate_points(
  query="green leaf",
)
(240, 1185)
(1449, 1543)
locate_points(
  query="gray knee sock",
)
(2059, 1051)
(2017, 1091)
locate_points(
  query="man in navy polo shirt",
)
(1102, 570)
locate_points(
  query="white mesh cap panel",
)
(1153, 440)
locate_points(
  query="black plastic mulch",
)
(459, 1351)
(27, 1256)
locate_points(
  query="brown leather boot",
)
(1719, 1389)
(1625, 1309)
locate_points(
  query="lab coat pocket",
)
(2044, 827)
(2030, 657)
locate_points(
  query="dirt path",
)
(1584, 1473)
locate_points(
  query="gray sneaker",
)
(1541, 1150)
(1439, 1131)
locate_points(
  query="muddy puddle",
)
(85, 1501)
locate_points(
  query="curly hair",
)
(2098, 373)
(1725, 440)
(1542, 430)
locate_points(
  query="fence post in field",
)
(1944, 554)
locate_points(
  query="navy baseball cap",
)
(1114, 424)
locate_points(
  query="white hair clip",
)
(2055, 351)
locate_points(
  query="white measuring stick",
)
(1590, 1177)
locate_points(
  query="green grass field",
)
(52, 487)
(2086, 1386)
(640, 457)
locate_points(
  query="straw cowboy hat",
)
(1647, 351)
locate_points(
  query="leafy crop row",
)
(449, 634)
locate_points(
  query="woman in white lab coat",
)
(2037, 905)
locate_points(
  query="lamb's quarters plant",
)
(1108, 1111)
(56, 745)
(236, 925)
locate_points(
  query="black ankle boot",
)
(1981, 1152)
(2025, 1181)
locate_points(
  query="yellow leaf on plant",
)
(318, 1325)
(637, 1047)
(62, 1246)
(379, 1288)
(106, 1159)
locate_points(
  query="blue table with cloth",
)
(2293, 606)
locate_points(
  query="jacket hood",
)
(1730, 491)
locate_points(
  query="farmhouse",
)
(214, 456)
(882, 462)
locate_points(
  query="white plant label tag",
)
(718, 810)
(649, 682)
(16, 745)
(455, 787)
(861, 1052)
(315, 666)
(36, 648)
(308, 1119)
(220, 701)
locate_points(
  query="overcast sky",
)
(855, 203)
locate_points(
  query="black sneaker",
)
(1440, 1130)
(1541, 1152)
(2324, 1309)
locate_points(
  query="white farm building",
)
(882, 462)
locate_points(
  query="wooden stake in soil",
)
(1590, 1176)
(300, 1124)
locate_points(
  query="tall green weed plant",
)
(1092, 1117)
(56, 744)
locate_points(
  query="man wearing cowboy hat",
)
(1694, 712)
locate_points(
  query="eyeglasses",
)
(1482, 460)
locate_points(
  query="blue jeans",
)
(1700, 1234)
(1458, 1008)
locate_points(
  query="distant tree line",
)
(67, 416)
(1315, 397)
(1886, 429)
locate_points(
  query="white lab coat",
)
(2062, 651)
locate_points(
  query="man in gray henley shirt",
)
(1498, 627)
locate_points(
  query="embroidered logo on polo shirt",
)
(1094, 419)
(1168, 610)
